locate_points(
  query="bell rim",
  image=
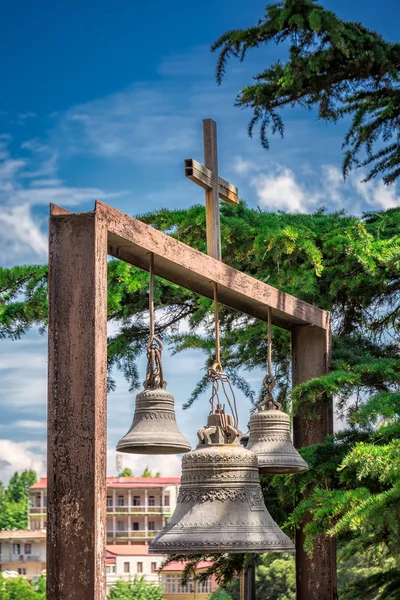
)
(159, 448)
(281, 469)
(202, 550)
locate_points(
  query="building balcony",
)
(21, 558)
(131, 535)
(139, 510)
(128, 510)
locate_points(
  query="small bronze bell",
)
(270, 439)
(220, 506)
(154, 429)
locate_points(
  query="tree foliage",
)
(149, 473)
(14, 501)
(137, 589)
(126, 472)
(344, 264)
(18, 588)
(340, 68)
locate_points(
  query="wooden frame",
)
(79, 243)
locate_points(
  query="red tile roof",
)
(179, 566)
(124, 482)
(129, 550)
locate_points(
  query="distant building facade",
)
(137, 507)
(23, 552)
(173, 589)
(127, 561)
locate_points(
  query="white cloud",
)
(377, 195)
(281, 191)
(167, 465)
(31, 182)
(18, 456)
(281, 188)
(137, 124)
(27, 424)
(20, 233)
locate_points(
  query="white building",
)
(124, 561)
(137, 507)
(23, 552)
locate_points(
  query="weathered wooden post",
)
(77, 452)
(76, 523)
(311, 357)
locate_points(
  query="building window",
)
(151, 526)
(136, 500)
(204, 587)
(109, 501)
(16, 549)
(153, 567)
(120, 501)
(127, 567)
(188, 588)
(110, 568)
(21, 571)
(28, 549)
(169, 585)
(152, 501)
(139, 567)
(38, 500)
(121, 526)
(45, 501)
(166, 500)
(135, 526)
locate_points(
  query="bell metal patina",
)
(269, 429)
(270, 439)
(154, 429)
(220, 506)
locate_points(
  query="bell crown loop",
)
(154, 429)
(269, 429)
(154, 372)
(221, 427)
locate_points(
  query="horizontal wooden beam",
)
(132, 241)
(203, 177)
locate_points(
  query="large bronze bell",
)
(220, 507)
(270, 439)
(154, 429)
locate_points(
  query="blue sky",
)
(105, 100)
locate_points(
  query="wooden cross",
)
(216, 188)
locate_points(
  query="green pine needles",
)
(344, 264)
(340, 68)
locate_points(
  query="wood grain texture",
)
(311, 357)
(203, 177)
(131, 241)
(212, 196)
(77, 451)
